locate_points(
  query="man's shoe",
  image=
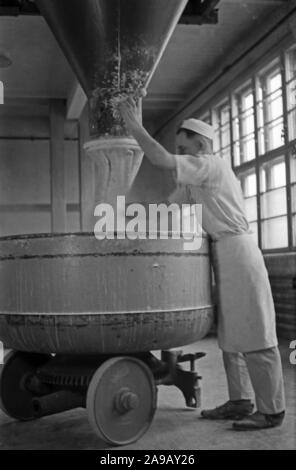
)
(259, 421)
(230, 410)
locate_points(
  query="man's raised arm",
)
(156, 153)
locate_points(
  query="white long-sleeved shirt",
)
(209, 180)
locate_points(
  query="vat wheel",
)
(121, 400)
(15, 398)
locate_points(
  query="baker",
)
(246, 315)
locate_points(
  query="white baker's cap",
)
(200, 127)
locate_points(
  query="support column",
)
(87, 177)
(57, 159)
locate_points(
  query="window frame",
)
(236, 102)
(276, 59)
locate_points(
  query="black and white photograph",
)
(147, 229)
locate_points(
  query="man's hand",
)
(129, 112)
(157, 154)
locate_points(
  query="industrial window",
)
(290, 61)
(270, 109)
(255, 130)
(243, 126)
(273, 205)
(293, 193)
(222, 127)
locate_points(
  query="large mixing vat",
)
(75, 294)
(101, 306)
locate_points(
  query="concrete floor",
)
(174, 426)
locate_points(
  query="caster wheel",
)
(15, 399)
(121, 400)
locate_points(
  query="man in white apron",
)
(246, 319)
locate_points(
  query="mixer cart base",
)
(119, 392)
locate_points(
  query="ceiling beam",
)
(196, 11)
(163, 100)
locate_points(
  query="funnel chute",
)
(114, 47)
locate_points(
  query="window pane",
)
(270, 111)
(275, 82)
(273, 189)
(244, 126)
(247, 100)
(273, 175)
(248, 149)
(292, 124)
(275, 233)
(249, 187)
(291, 91)
(251, 208)
(248, 123)
(224, 115)
(261, 141)
(275, 106)
(293, 195)
(294, 230)
(274, 133)
(278, 175)
(236, 128)
(225, 136)
(236, 152)
(291, 94)
(274, 203)
(216, 141)
(291, 63)
(222, 128)
(293, 167)
(263, 178)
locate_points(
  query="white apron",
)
(246, 315)
(246, 318)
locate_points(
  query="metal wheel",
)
(121, 400)
(15, 399)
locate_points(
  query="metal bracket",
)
(167, 371)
